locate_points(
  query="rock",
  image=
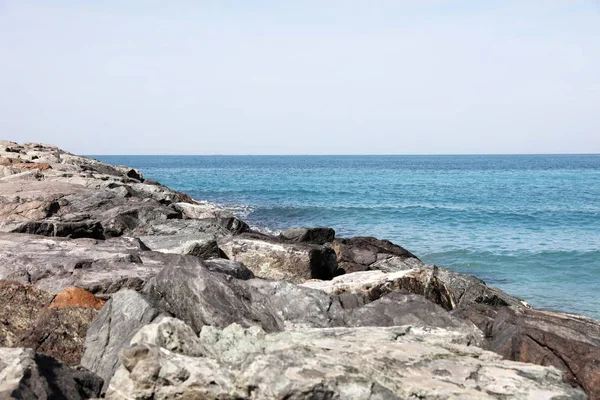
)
(374, 284)
(228, 267)
(466, 289)
(359, 253)
(99, 266)
(118, 321)
(271, 259)
(309, 235)
(568, 342)
(200, 298)
(394, 363)
(19, 306)
(64, 195)
(25, 374)
(76, 297)
(31, 318)
(60, 333)
(203, 246)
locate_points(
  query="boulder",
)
(394, 363)
(359, 253)
(568, 342)
(57, 327)
(99, 266)
(19, 306)
(200, 298)
(308, 235)
(118, 321)
(203, 246)
(270, 258)
(60, 333)
(374, 284)
(25, 374)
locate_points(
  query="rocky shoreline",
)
(112, 285)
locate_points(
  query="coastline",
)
(539, 243)
(122, 236)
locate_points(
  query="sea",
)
(527, 224)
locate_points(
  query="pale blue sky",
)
(305, 77)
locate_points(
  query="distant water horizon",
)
(528, 224)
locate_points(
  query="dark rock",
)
(309, 235)
(28, 375)
(228, 267)
(568, 342)
(359, 253)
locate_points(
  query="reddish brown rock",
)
(39, 166)
(76, 297)
(30, 318)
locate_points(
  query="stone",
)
(203, 246)
(118, 321)
(200, 298)
(270, 258)
(19, 306)
(359, 253)
(76, 297)
(335, 363)
(101, 267)
(64, 195)
(25, 374)
(568, 342)
(308, 235)
(31, 318)
(374, 284)
(60, 333)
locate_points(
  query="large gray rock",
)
(100, 266)
(336, 363)
(25, 374)
(200, 298)
(374, 284)
(270, 258)
(201, 245)
(118, 321)
(466, 289)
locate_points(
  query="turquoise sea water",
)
(529, 225)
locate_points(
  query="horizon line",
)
(340, 155)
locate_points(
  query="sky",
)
(305, 77)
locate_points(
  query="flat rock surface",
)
(99, 266)
(394, 363)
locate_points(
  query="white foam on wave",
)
(240, 211)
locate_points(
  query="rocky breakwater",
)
(114, 285)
